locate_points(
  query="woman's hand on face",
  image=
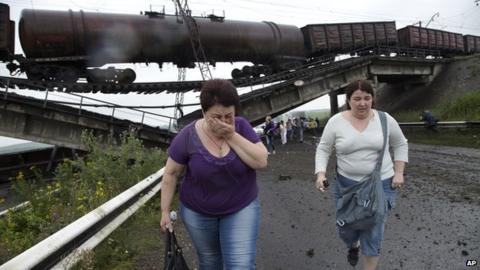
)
(222, 129)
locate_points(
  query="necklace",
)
(219, 146)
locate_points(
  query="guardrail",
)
(64, 248)
(443, 124)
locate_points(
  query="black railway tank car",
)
(94, 39)
(336, 38)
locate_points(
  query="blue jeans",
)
(370, 240)
(300, 134)
(227, 242)
(270, 145)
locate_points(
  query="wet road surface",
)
(435, 224)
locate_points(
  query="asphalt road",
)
(435, 225)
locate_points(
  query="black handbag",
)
(173, 254)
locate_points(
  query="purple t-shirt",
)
(214, 186)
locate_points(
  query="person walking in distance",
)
(301, 128)
(289, 129)
(218, 155)
(269, 131)
(356, 134)
(283, 132)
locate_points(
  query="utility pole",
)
(200, 58)
(436, 15)
(192, 27)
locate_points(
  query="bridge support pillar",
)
(375, 81)
(333, 103)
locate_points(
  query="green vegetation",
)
(131, 245)
(461, 109)
(460, 137)
(474, 70)
(80, 186)
(320, 114)
(464, 108)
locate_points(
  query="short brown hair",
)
(362, 85)
(219, 91)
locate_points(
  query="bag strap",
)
(383, 121)
(171, 245)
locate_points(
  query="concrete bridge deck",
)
(46, 121)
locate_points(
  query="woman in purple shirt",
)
(219, 155)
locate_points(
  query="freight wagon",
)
(337, 38)
(67, 45)
(426, 38)
(471, 43)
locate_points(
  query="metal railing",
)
(64, 248)
(443, 124)
(114, 110)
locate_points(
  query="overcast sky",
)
(462, 16)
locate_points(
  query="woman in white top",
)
(356, 135)
(283, 132)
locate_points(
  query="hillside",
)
(458, 78)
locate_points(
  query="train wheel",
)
(267, 70)
(90, 79)
(68, 75)
(247, 71)
(35, 73)
(34, 76)
(127, 76)
(95, 76)
(236, 73)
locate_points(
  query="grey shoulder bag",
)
(362, 205)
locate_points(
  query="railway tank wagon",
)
(77, 40)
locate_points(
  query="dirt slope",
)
(458, 78)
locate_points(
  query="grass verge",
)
(449, 137)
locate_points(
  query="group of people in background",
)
(288, 131)
(216, 158)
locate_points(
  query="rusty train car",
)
(7, 33)
(321, 39)
(419, 37)
(68, 45)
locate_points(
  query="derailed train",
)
(68, 45)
